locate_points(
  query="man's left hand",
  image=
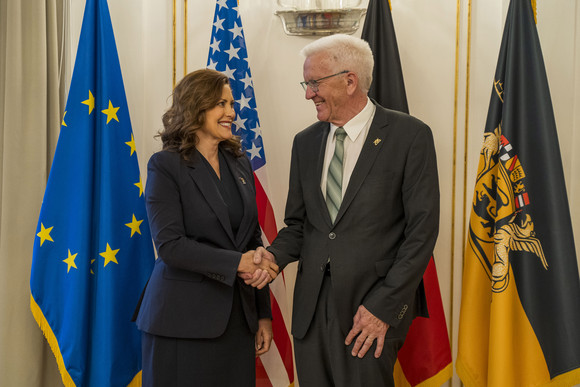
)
(368, 328)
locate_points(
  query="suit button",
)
(332, 235)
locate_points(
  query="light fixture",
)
(320, 17)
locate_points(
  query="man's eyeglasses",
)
(315, 83)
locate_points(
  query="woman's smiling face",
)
(219, 119)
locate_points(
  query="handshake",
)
(258, 268)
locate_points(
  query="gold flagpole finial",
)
(534, 8)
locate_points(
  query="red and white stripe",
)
(276, 367)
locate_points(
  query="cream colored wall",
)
(427, 38)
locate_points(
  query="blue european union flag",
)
(93, 252)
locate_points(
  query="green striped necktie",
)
(334, 179)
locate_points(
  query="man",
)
(362, 224)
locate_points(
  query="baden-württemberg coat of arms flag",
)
(520, 311)
(93, 251)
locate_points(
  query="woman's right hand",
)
(268, 270)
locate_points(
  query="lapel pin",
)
(376, 142)
(243, 180)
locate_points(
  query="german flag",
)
(425, 358)
(520, 310)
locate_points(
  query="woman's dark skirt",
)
(228, 360)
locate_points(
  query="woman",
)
(202, 326)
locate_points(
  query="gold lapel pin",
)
(243, 180)
(377, 141)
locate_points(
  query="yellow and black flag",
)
(520, 311)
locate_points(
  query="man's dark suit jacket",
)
(190, 292)
(385, 230)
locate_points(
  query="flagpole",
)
(454, 175)
(174, 41)
(465, 144)
(184, 37)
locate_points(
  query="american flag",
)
(228, 54)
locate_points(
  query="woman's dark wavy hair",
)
(196, 93)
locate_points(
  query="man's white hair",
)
(345, 52)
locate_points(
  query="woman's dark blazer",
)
(190, 292)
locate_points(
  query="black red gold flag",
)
(425, 358)
(388, 87)
(520, 314)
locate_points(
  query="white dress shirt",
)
(357, 130)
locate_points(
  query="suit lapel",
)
(244, 184)
(319, 144)
(371, 148)
(202, 178)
